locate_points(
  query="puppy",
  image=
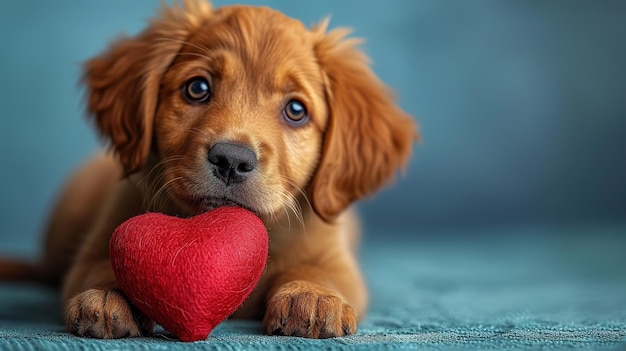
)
(235, 106)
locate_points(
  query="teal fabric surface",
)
(528, 288)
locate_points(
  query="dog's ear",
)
(123, 83)
(368, 137)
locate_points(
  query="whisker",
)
(161, 192)
(162, 163)
(152, 183)
(299, 189)
(164, 191)
(288, 202)
(284, 204)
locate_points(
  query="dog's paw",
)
(305, 309)
(105, 314)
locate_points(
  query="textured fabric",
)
(188, 275)
(548, 288)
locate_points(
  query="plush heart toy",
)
(188, 275)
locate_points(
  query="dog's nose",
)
(232, 163)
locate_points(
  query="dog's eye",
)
(197, 89)
(295, 112)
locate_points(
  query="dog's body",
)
(238, 106)
(293, 247)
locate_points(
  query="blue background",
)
(522, 106)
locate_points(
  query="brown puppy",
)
(235, 106)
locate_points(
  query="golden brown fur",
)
(256, 60)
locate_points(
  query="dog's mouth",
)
(205, 204)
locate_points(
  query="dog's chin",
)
(208, 204)
(196, 205)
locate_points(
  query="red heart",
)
(188, 275)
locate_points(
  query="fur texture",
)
(305, 172)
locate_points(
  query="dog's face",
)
(241, 113)
(246, 106)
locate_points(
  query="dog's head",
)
(245, 106)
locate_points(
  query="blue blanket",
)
(531, 288)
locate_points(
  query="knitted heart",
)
(188, 275)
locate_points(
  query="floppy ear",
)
(123, 83)
(368, 137)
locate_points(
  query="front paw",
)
(305, 309)
(105, 314)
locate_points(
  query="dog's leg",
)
(102, 311)
(315, 301)
(94, 306)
